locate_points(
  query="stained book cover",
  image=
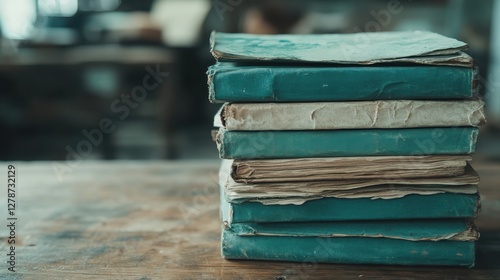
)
(349, 249)
(418, 47)
(383, 202)
(406, 239)
(346, 143)
(274, 83)
(346, 168)
(435, 240)
(349, 115)
(301, 190)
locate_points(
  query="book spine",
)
(349, 250)
(300, 84)
(411, 230)
(448, 205)
(351, 115)
(345, 143)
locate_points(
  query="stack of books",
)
(350, 148)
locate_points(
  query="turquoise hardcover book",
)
(411, 230)
(348, 249)
(345, 143)
(435, 206)
(232, 83)
(404, 242)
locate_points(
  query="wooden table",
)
(160, 220)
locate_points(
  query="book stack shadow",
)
(350, 148)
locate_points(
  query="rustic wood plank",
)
(160, 220)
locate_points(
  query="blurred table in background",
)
(160, 220)
(49, 95)
(102, 54)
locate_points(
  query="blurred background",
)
(135, 70)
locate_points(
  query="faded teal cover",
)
(356, 48)
(350, 83)
(352, 250)
(437, 206)
(412, 230)
(342, 143)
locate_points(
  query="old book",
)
(294, 193)
(346, 168)
(274, 241)
(350, 115)
(425, 242)
(435, 206)
(346, 143)
(416, 47)
(411, 230)
(299, 191)
(460, 201)
(228, 82)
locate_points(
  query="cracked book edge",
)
(220, 143)
(211, 72)
(219, 122)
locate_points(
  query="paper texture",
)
(315, 83)
(382, 188)
(348, 250)
(358, 48)
(346, 168)
(350, 115)
(282, 144)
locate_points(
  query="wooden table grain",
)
(160, 220)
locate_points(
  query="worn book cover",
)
(349, 115)
(345, 168)
(416, 205)
(299, 191)
(273, 83)
(346, 143)
(340, 241)
(425, 242)
(411, 230)
(418, 47)
(436, 206)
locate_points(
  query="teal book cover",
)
(228, 82)
(344, 143)
(411, 47)
(411, 230)
(329, 209)
(350, 250)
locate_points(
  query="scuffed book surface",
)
(240, 83)
(445, 204)
(349, 115)
(346, 143)
(345, 168)
(412, 230)
(358, 48)
(381, 188)
(351, 250)
(436, 206)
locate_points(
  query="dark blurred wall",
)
(64, 78)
